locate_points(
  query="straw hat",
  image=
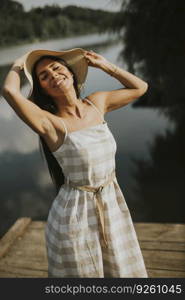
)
(74, 58)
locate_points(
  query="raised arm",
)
(134, 87)
(29, 112)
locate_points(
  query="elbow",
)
(142, 90)
(145, 87)
(6, 91)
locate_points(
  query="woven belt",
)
(98, 200)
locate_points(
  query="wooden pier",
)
(23, 253)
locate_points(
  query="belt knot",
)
(99, 202)
(99, 189)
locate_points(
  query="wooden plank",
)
(168, 246)
(30, 255)
(157, 273)
(23, 264)
(174, 261)
(168, 232)
(33, 238)
(13, 233)
(13, 271)
(163, 248)
(37, 225)
(28, 252)
(146, 231)
(28, 246)
(34, 235)
(22, 274)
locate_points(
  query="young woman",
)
(89, 231)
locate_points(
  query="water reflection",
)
(8, 55)
(24, 187)
(160, 182)
(155, 49)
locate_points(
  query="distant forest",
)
(18, 26)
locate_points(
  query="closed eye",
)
(44, 76)
(55, 68)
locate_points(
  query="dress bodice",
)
(87, 156)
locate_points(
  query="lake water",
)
(8, 55)
(26, 188)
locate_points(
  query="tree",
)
(154, 46)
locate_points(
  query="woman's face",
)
(54, 78)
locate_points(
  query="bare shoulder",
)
(98, 99)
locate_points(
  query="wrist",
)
(110, 68)
(17, 67)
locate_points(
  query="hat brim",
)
(73, 57)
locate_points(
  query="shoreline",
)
(37, 40)
(10, 53)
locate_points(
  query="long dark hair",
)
(45, 101)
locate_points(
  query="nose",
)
(53, 73)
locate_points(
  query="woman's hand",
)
(94, 59)
(19, 62)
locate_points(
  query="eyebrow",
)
(44, 71)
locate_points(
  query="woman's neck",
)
(70, 105)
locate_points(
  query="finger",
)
(89, 55)
(90, 52)
(87, 59)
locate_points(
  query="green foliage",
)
(154, 46)
(18, 26)
(99, 18)
(12, 7)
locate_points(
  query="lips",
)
(58, 82)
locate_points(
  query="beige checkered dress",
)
(89, 231)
